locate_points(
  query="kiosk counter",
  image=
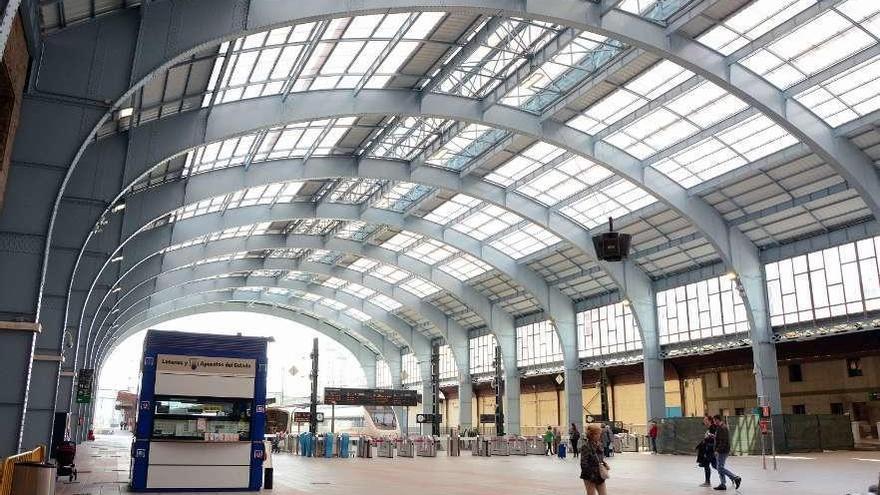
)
(201, 413)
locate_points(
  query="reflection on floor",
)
(103, 466)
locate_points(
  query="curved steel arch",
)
(453, 333)
(293, 313)
(173, 271)
(412, 338)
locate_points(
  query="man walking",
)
(652, 434)
(722, 450)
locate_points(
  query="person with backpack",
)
(594, 469)
(706, 450)
(722, 450)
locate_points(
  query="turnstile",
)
(426, 446)
(405, 448)
(499, 446)
(481, 447)
(536, 446)
(384, 448)
(517, 445)
(365, 448)
(453, 445)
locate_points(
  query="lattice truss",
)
(652, 112)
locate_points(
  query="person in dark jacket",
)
(574, 436)
(722, 450)
(593, 461)
(706, 450)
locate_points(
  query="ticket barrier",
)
(536, 446)
(384, 448)
(467, 443)
(453, 445)
(517, 445)
(329, 443)
(499, 446)
(426, 446)
(307, 445)
(342, 444)
(406, 448)
(365, 448)
(481, 448)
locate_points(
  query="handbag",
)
(604, 471)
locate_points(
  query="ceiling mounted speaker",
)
(611, 245)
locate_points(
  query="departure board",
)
(370, 397)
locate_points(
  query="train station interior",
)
(450, 246)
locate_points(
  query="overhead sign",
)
(370, 397)
(305, 417)
(429, 418)
(487, 418)
(171, 363)
(84, 381)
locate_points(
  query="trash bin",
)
(33, 478)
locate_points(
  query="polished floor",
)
(104, 465)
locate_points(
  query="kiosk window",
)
(190, 418)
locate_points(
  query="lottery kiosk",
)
(201, 413)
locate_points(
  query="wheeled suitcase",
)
(560, 451)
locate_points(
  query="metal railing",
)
(36, 455)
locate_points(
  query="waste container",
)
(33, 478)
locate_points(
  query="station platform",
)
(103, 466)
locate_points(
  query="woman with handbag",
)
(594, 469)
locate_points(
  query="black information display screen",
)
(370, 397)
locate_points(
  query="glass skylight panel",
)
(354, 190)
(732, 148)
(487, 221)
(401, 241)
(308, 296)
(334, 283)
(697, 109)
(288, 253)
(408, 137)
(580, 57)
(358, 290)
(420, 288)
(503, 52)
(356, 230)
(465, 267)
(852, 94)
(525, 241)
(812, 47)
(468, 144)
(635, 94)
(301, 276)
(358, 314)
(401, 196)
(333, 304)
(389, 273)
(385, 302)
(210, 205)
(531, 159)
(323, 256)
(273, 62)
(652, 9)
(218, 155)
(751, 22)
(363, 264)
(267, 273)
(567, 179)
(317, 137)
(455, 207)
(313, 226)
(431, 252)
(614, 200)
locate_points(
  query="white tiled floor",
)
(103, 466)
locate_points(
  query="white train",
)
(373, 421)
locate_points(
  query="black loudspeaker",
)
(611, 246)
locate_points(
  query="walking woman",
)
(594, 470)
(706, 450)
(574, 436)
